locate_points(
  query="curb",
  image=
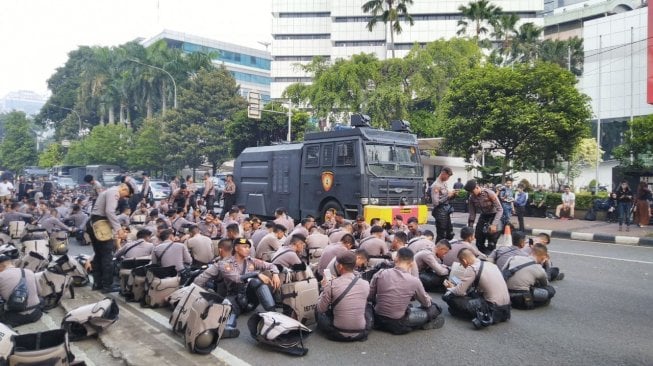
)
(603, 238)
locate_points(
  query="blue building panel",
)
(230, 56)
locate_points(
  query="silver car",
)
(160, 190)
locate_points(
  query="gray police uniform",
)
(350, 319)
(136, 249)
(374, 246)
(286, 257)
(176, 254)
(501, 255)
(452, 255)
(201, 249)
(432, 272)
(9, 278)
(420, 243)
(104, 208)
(329, 253)
(392, 290)
(529, 285)
(269, 244)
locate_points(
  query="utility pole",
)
(598, 121)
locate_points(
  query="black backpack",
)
(590, 215)
(17, 301)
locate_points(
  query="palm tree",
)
(478, 14)
(504, 32)
(526, 45)
(389, 11)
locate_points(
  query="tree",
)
(525, 47)
(109, 144)
(195, 132)
(504, 33)
(584, 154)
(528, 114)
(639, 143)
(478, 14)
(389, 11)
(146, 153)
(567, 53)
(51, 156)
(18, 146)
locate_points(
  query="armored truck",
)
(345, 169)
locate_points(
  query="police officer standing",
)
(105, 208)
(486, 202)
(440, 196)
(228, 195)
(342, 310)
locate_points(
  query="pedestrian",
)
(229, 195)
(642, 204)
(624, 204)
(521, 199)
(568, 203)
(458, 185)
(441, 196)
(6, 189)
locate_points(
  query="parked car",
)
(160, 190)
(66, 183)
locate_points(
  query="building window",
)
(305, 15)
(292, 80)
(301, 36)
(359, 43)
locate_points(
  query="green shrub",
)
(462, 194)
(584, 201)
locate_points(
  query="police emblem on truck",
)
(327, 181)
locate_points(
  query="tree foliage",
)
(110, 144)
(147, 152)
(639, 143)
(52, 155)
(528, 114)
(391, 12)
(18, 146)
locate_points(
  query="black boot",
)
(230, 330)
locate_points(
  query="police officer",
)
(374, 244)
(500, 256)
(200, 247)
(10, 276)
(96, 187)
(424, 241)
(289, 255)
(490, 304)
(342, 310)
(141, 247)
(528, 284)
(391, 292)
(467, 237)
(488, 227)
(270, 243)
(247, 281)
(105, 209)
(228, 195)
(333, 250)
(170, 252)
(11, 213)
(413, 228)
(432, 272)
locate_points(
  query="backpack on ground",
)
(91, 319)
(125, 274)
(51, 286)
(206, 322)
(33, 261)
(6, 343)
(37, 246)
(59, 242)
(279, 331)
(182, 300)
(44, 348)
(160, 282)
(136, 284)
(16, 229)
(299, 294)
(590, 215)
(73, 267)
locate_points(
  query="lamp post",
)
(79, 119)
(174, 84)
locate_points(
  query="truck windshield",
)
(393, 161)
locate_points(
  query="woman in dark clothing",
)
(642, 204)
(625, 203)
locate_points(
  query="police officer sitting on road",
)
(374, 244)
(288, 256)
(270, 243)
(500, 256)
(345, 244)
(432, 272)
(391, 292)
(342, 310)
(553, 273)
(200, 247)
(170, 252)
(248, 281)
(528, 283)
(141, 247)
(481, 293)
(424, 241)
(467, 237)
(26, 311)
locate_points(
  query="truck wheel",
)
(328, 205)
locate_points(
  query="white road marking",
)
(220, 353)
(601, 257)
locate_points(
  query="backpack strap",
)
(516, 269)
(477, 279)
(159, 257)
(138, 242)
(342, 295)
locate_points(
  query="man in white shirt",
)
(568, 203)
(6, 189)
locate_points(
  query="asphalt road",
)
(602, 314)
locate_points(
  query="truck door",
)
(314, 161)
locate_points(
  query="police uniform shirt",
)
(230, 271)
(413, 267)
(330, 252)
(106, 206)
(452, 256)
(258, 235)
(426, 259)
(50, 223)
(96, 189)
(79, 220)
(317, 240)
(209, 229)
(413, 235)
(486, 202)
(420, 243)
(177, 255)
(201, 248)
(15, 216)
(501, 255)
(286, 257)
(10, 277)
(349, 314)
(393, 289)
(179, 222)
(336, 235)
(136, 249)
(439, 192)
(269, 243)
(298, 230)
(374, 246)
(286, 221)
(527, 277)
(63, 211)
(124, 220)
(491, 284)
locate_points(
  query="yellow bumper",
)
(387, 213)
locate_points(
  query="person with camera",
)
(624, 204)
(342, 310)
(481, 293)
(19, 300)
(489, 226)
(249, 282)
(440, 196)
(391, 292)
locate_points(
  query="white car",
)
(66, 183)
(160, 190)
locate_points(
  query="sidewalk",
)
(575, 229)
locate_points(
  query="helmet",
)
(204, 340)
(8, 252)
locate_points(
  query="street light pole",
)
(79, 119)
(174, 84)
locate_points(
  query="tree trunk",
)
(392, 41)
(148, 105)
(112, 118)
(122, 111)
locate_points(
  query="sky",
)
(36, 35)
